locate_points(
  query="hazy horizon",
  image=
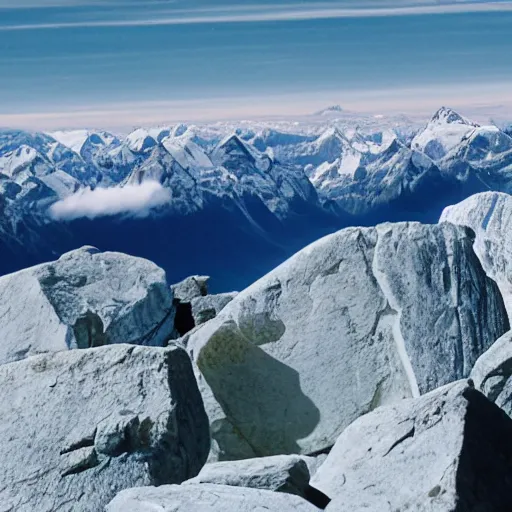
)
(115, 64)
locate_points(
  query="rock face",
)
(84, 299)
(361, 318)
(490, 216)
(190, 288)
(206, 308)
(282, 473)
(206, 498)
(492, 373)
(448, 450)
(83, 425)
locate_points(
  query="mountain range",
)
(233, 200)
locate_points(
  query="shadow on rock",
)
(261, 397)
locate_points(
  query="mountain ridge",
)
(263, 193)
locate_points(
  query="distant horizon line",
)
(317, 117)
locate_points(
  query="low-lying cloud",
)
(131, 200)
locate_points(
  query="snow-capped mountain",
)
(445, 131)
(246, 195)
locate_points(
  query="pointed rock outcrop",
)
(449, 450)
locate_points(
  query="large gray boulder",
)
(492, 373)
(206, 498)
(449, 450)
(490, 216)
(84, 299)
(80, 426)
(281, 473)
(362, 318)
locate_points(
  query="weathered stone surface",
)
(492, 373)
(80, 426)
(490, 216)
(362, 318)
(281, 473)
(449, 450)
(190, 288)
(206, 498)
(208, 307)
(84, 299)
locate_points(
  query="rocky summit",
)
(369, 372)
(362, 318)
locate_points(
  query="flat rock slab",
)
(281, 473)
(362, 318)
(80, 426)
(449, 450)
(84, 299)
(206, 498)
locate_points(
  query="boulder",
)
(190, 288)
(492, 373)
(84, 299)
(79, 426)
(206, 498)
(281, 473)
(490, 216)
(448, 450)
(208, 307)
(362, 318)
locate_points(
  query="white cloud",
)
(305, 11)
(133, 200)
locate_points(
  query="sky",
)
(124, 63)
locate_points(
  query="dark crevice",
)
(89, 462)
(86, 442)
(316, 497)
(401, 440)
(184, 320)
(324, 451)
(88, 331)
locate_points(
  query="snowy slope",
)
(445, 131)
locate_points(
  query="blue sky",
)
(66, 63)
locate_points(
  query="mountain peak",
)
(446, 115)
(333, 109)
